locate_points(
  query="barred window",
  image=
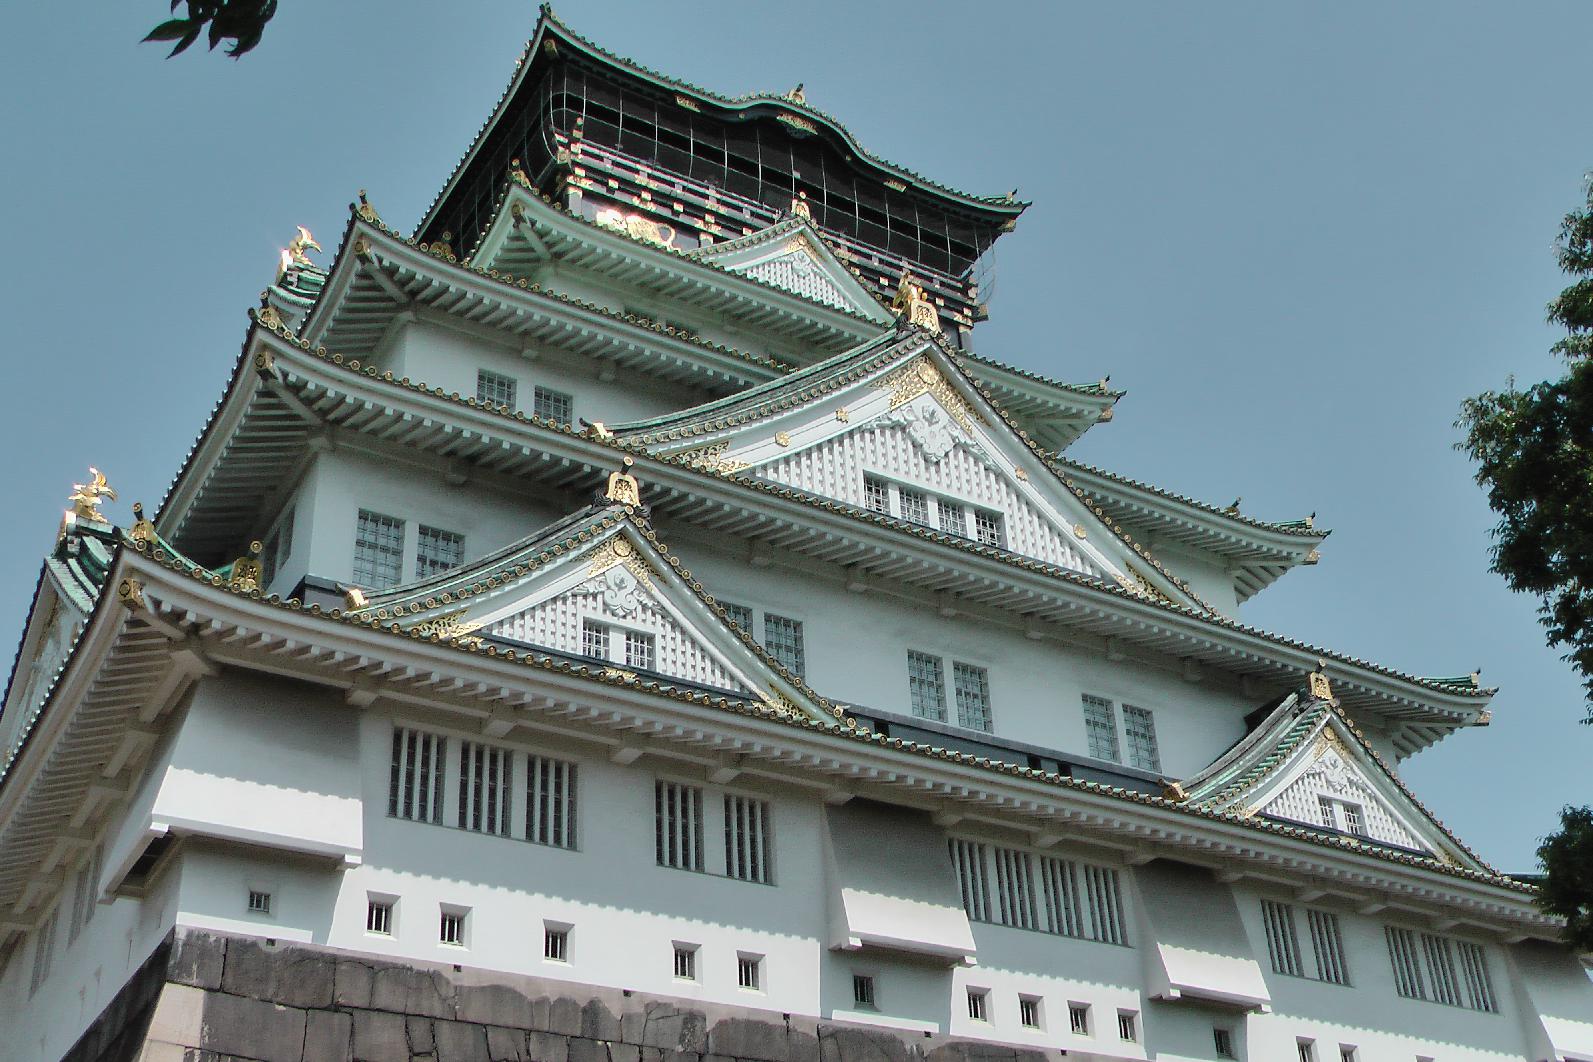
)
(1479, 987)
(1328, 945)
(749, 971)
(1128, 1026)
(926, 686)
(639, 650)
(953, 519)
(863, 990)
(678, 825)
(378, 550)
(747, 839)
(972, 686)
(451, 929)
(437, 551)
(876, 495)
(494, 388)
(43, 952)
(1402, 954)
(969, 859)
(1029, 1012)
(915, 505)
(556, 943)
(979, 1004)
(259, 902)
(1079, 1019)
(484, 788)
(1440, 969)
(1139, 733)
(1105, 896)
(1222, 1042)
(550, 801)
(1100, 726)
(1015, 888)
(1283, 943)
(740, 615)
(782, 637)
(594, 640)
(415, 786)
(989, 529)
(83, 898)
(686, 962)
(1077, 900)
(553, 405)
(379, 917)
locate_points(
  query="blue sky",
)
(1298, 235)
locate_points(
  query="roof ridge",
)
(1303, 527)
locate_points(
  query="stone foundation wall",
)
(219, 998)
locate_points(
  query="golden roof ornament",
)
(298, 248)
(1320, 688)
(246, 571)
(912, 306)
(623, 487)
(354, 597)
(86, 497)
(366, 211)
(799, 206)
(796, 95)
(142, 530)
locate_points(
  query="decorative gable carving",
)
(798, 271)
(794, 258)
(1329, 776)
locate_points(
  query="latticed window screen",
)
(740, 615)
(553, 405)
(876, 494)
(415, 786)
(952, 517)
(782, 637)
(747, 839)
(378, 550)
(484, 788)
(1354, 819)
(594, 640)
(437, 551)
(550, 801)
(926, 686)
(678, 825)
(494, 388)
(972, 687)
(639, 651)
(1139, 733)
(988, 528)
(915, 505)
(1100, 727)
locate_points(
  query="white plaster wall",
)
(1206, 574)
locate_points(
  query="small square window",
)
(452, 928)
(740, 615)
(749, 972)
(863, 990)
(1306, 1049)
(685, 962)
(556, 943)
(494, 388)
(782, 637)
(1128, 1026)
(876, 495)
(259, 902)
(1347, 1053)
(553, 405)
(988, 528)
(978, 1004)
(437, 551)
(952, 519)
(639, 650)
(915, 506)
(594, 640)
(1029, 1011)
(1222, 1042)
(1079, 1019)
(379, 917)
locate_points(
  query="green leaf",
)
(169, 30)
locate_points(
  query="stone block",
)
(494, 1005)
(564, 1016)
(253, 1028)
(459, 1041)
(842, 1044)
(380, 1037)
(673, 1028)
(598, 1022)
(588, 1051)
(765, 1041)
(179, 1016)
(296, 977)
(547, 1047)
(624, 1053)
(328, 1036)
(403, 990)
(419, 1033)
(507, 1045)
(352, 983)
(196, 959)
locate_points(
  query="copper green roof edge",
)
(1300, 528)
(849, 729)
(547, 20)
(1014, 560)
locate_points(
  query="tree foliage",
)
(240, 21)
(1534, 454)
(1567, 889)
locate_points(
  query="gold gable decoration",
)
(920, 376)
(711, 458)
(618, 550)
(449, 626)
(637, 227)
(623, 487)
(912, 305)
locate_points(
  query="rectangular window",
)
(437, 551)
(1222, 1042)
(1091, 908)
(978, 1004)
(1100, 726)
(1306, 1050)
(988, 529)
(952, 517)
(553, 405)
(1354, 820)
(378, 550)
(494, 388)
(1105, 896)
(43, 952)
(862, 990)
(1347, 1053)
(415, 787)
(1441, 970)
(969, 859)
(379, 917)
(1283, 944)
(594, 640)
(747, 839)
(972, 687)
(259, 902)
(82, 900)
(484, 787)
(1079, 1019)
(1139, 733)
(1407, 966)
(749, 971)
(1029, 1012)
(1328, 945)
(678, 825)
(1474, 967)
(550, 801)
(740, 615)
(686, 962)
(452, 928)
(639, 650)
(926, 686)
(876, 495)
(1015, 888)
(1128, 1026)
(915, 505)
(556, 943)
(782, 637)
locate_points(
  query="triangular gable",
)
(1306, 765)
(791, 255)
(596, 587)
(899, 409)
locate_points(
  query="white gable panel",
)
(1328, 773)
(621, 601)
(798, 273)
(946, 463)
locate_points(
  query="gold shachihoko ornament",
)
(86, 497)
